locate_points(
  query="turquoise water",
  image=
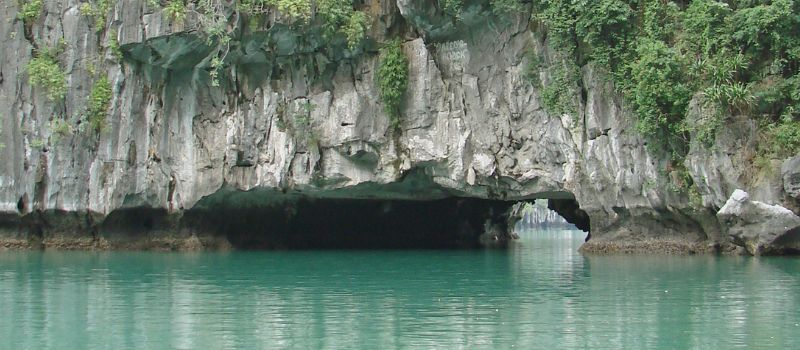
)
(539, 294)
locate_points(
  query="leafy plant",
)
(392, 79)
(533, 67)
(734, 97)
(302, 119)
(334, 13)
(98, 10)
(706, 129)
(742, 56)
(782, 139)
(659, 91)
(338, 16)
(451, 7)
(37, 143)
(506, 7)
(60, 127)
(98, 103)
(356, 28)
(44, 72)
(113, 46)
(216, 68)
(559, 91)
(176, 10)
(30, 10)
(296, 9)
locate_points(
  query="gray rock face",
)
(294, 117)
(758, 227)
(791, 177)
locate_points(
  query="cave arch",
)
(275, 220)
(414, 212)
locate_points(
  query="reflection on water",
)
(540, 293)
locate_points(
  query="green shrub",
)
(506, 7)
(334, 14)
(707, 128)
(451, 7)
(113, 46)
(658, 90)
(217, 64)
(37, 143)
(296, 9)
(338, 16)
(392, 79)
(733, 97)
(705, 26)
(559, 94)
(606, 26)
(533, 67)
(60, 127)
(301, 122)
(766, 27)
(781, 140)
(660, 20)
(742, 55)
(44, 72)
(176, 10)
(559, 17)
(98, 103)
(98, 10)
(356, 28)
(30, 10)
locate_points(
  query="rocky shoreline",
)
(190, 244)
(294, 117)
(752, 228)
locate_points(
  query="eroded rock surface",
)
(758, 227)
(295, 117)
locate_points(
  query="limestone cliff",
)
(298, 117)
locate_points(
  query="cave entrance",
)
(296, 222)
(541, 214)
(411, 214)
(333, 223)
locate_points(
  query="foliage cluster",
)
(301, 123)
(506, 7)
(356, 28)
(175, 10)
(336, 17)
(393, 79)
(782, 139)
(113, 46)
(559, 94)
(339, 17)
(60, 128)
(98, 10)
(740, 56)
(498, 7)
(451, 7)
(45, 72)
(30, 10)
(98, 103)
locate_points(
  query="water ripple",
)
(540, 293)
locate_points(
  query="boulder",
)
(760, 228)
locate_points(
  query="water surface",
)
(539, 294)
